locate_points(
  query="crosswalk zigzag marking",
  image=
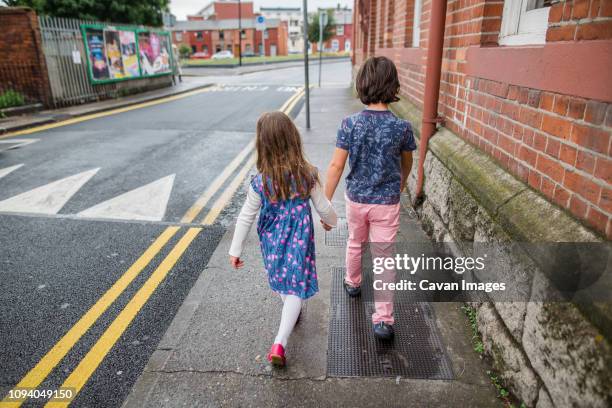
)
(49, 198)
(146, 203)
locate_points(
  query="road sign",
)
(260, 23)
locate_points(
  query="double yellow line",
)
(88, 365)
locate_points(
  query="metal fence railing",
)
(61, 38)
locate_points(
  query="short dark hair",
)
(377, 81)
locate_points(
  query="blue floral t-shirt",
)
(375, 141)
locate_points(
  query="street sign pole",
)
(306, 85)
(322, 23)
(239, 34)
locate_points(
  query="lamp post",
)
(306, 85)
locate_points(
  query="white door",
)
(273, 50)
(347, 45)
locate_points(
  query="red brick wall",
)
(22, 65)
(580, 20)
(542, 113)
(224, 11)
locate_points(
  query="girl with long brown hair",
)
(280, 193)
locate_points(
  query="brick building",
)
(342, 39)
(526, 82)
(215, 28)
(212, 36)
(511, 101)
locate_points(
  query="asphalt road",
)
(82, 203)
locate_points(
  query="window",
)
(199, 35)
(340, 29)
(524, 22)
(205, 48)
(265, 34)
(194, 49)
(221, 35)
(416, 23)
(178, 36)
(243, 34)
(335, 45)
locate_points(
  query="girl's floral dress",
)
(286, 237)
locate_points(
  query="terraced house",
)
(511, 102)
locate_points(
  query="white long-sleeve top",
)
(253, 203)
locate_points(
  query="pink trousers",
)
(377, 223)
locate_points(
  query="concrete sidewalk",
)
(16, 123)
(213, 353)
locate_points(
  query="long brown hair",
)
(280, 158)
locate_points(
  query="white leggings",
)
(292, 305)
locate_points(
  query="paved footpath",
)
(213, 353)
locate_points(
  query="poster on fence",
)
(97, 54)
(113, 54)
(128, 54)
(154, 53)
(121, 53)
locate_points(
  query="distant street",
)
(93, 210)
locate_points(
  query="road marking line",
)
(88, 365)
(53, 357)
(16, 143)
(295, 101)
(49, 198)
(145, 203)
(228, 193)
(294, 96)
(201, 202)
(5, 171)
(103, 114)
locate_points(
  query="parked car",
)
(223, 55)
(200, 55)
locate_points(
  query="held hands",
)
(236, 262)
(325, 226)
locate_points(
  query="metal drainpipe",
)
(435, 43)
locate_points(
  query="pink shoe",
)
(276, 356)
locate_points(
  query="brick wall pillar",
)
(22, 66)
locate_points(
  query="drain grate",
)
(415, 352)
(336, 237)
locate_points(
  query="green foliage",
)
(147, 12)
(184, 50)
(470, 312)
(313, 27)
(11, 98)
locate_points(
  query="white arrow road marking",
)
(15, 143)
(7, 170)
(146, 203)
(47, 199)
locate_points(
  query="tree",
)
(328, 30)
(184, 50)
(146, 12)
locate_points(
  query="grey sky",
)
(181, 8)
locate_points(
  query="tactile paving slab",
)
(415, 352)
(336, 237)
